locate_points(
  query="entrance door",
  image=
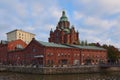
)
(88, 61)
(64, 61)
(38, 62)
(76, 62)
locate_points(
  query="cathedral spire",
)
(51, 30)
(63, 13)
(63, 17)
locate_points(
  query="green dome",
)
(66, 30)
(63, 17)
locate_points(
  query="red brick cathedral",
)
(64, 34)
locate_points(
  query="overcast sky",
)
(96, 20)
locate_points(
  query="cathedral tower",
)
(64, 34)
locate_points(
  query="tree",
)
(112, 53)
(82, 43)
(86, 43)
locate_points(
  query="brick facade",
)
(3, 53)
(17, 44)
(57, 56)
(11, 47)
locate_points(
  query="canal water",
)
(93, 76)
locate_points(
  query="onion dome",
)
(63, 17)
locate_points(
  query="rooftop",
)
(19, 30)
(48, 44)
(87, 47)
(4, 42)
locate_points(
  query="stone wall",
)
(62, 70)
(71, 70)
(56, 70)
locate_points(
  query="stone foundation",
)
(62, 70)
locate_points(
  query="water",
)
(95, 76)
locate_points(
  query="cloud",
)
(112, 6)
(96, 20)
(97, 29)
(99, 23)
(77, 15)
(36, 9)
(98, 7)
(29, 15)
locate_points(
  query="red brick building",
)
(3, 52)
(15, 45)
(63, 33)
(52, 54)
(6, 47)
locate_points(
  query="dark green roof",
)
(87, 47)
(51, 44)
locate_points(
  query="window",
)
(62, 54)
(88, 55)
(57, 40)
(52, 62)
(48, 61)
(48, 54)
(58, 54)
(19, 46)
(74, 55)
(68, 55)
(34, 50)
(51, 54)
(65, 55)
(59, 61)
(83, 55)
(97, 56)
(57, 34)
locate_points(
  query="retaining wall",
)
(62, 70)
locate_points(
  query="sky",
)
(96, 20)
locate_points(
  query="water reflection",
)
(95, 76)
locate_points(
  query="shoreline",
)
(59, 70)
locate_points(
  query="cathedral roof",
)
(63, 17)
